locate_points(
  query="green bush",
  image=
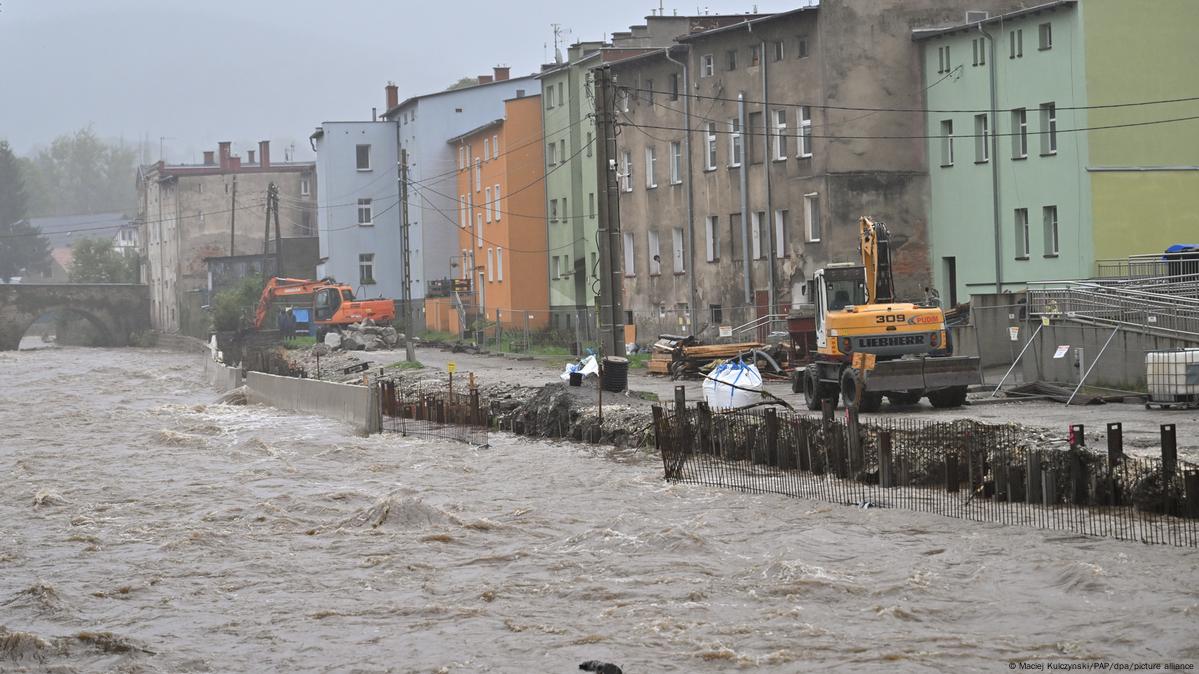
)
(234, 307)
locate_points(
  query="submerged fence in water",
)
(965, 469)
(442, 412)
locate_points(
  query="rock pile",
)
(366, 336)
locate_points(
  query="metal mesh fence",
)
(447, 412)
(964, 469)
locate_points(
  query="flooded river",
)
(144, 528)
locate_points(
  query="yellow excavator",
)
(904, 348)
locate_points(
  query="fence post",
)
(1190, 483)
(705, 426)
(804, 458)
(1048, 484)
(499, 330)
(951, 473)
(1115, 452)
(772, 438)
(1169, 466)
(680, 413)
(1033, 491)
(886, 478)
(853, 433)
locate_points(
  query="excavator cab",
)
(326, 301)
(836, 287)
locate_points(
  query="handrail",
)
(1167, 304)
(759, 321)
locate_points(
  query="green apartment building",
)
(1037, 190)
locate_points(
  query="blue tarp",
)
(1182, 248)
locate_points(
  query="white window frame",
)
(478, 175)
(676, 163)
(735, 148)
(780, 134)
(710, 156)
(499, 262)
(651, 158)
(946, 142)
(805, 132)
(1045, 36)
(366, 264)
(780, 232)
(1048, 128)
(982, 139)
(495, 146)
(366, 213)
(358, 157)
(626, 180)
(678, 250)
(712, 235)
(630, 255)
(305, 187)
(812, 224)
(1022, 234)
(557, 267)
(495, 195)
(490, 266)
(654, 250)
(1020, 133)
(461, 157)
(553, 210)
(707, 66)
(463, 212)
(486, 148)
(479, 229)
(1053, 241)
(487, 204)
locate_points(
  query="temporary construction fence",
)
(443, 412)
(965, 469)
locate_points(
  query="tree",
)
(80, 173)
(22, 246)
(463, 83)
(96, 261)
(233, 307)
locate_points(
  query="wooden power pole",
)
(405, 247)
(233, 220)
(610, 305)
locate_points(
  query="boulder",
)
(372, 329)
(353, 341)
(333, 340)
(321, 350)
(390, 336)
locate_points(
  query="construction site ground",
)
(1141, 427)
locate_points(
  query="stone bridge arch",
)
(117, 310)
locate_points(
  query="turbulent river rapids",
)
(146, 528)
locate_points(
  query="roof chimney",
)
(249, 156)
(501, 73)
(485, 79)
(264, 153)
(393, 96)
(223, 152)
(209, 158)
(235, 164)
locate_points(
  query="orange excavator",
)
(332, 304)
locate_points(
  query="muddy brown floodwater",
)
(144, 528)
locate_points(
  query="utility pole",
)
(610, 306)
(266, 230)
(278, 237)
(409, 349)
(233, 219)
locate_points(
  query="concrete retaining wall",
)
(220, 377)
(356, 405)
(1121, 366)
(181, 342)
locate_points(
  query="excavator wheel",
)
(797, 381)
(870, 401)
(954, 396)
(811, 388)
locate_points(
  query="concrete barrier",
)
(356, 405)
(1121, 366)
(220, 377)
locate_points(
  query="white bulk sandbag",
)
(720, 395)
(587, 367)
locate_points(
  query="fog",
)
(181, 76)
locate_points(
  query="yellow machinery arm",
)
(875, 246)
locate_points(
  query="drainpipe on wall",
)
(692, 292)
(994, 167)
(766, 160)
(743, 169)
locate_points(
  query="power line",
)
(748, 101)
(138, 222)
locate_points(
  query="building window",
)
(561, 94)
(590, 141)
(364, 157)
(626, 178)
(677, 249)
(1016, 43)
(735, 236)
(630, 259)
(366, 269)
(730, 59)
(982, 140)
(305, 188)
(780, 135)
(780, 233)
(562, 151)
(1019, 133)
(755, 56)
(478, 175)
(676, 163)
(802, 47)
(565, 210)
(811, 213)
(479, 230)
(487, 205)
(755, 234)
(711, 153)
(778, 51)
(1048, 128)
(496, 208)
(712, 237)
(1049, 215)
(758, 138)
(707, 65)
(651, 158)
(943, 59)
(549, 98)
(365, 215)
(980, 51)
(553, 210)
(490, 266)
(594, 266)
(805, 131)
(463, 214)
(499, 263)
(557, 267)
(1045, 36)
(654, 253)
(591, 204)
(495, 146)
(486, 149)
(551, 154)
(716, 313)
(623, 98)
(649, 91)
(461, 157)
(674, 86)
(947, 142)
(1021, 233)
(734, 142)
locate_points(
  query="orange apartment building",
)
(503, 272)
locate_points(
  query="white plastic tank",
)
(1172, 376)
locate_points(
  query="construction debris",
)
(685, 357)
(1045, 390)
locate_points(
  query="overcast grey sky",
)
(244, 70)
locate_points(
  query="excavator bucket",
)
(907, 374)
